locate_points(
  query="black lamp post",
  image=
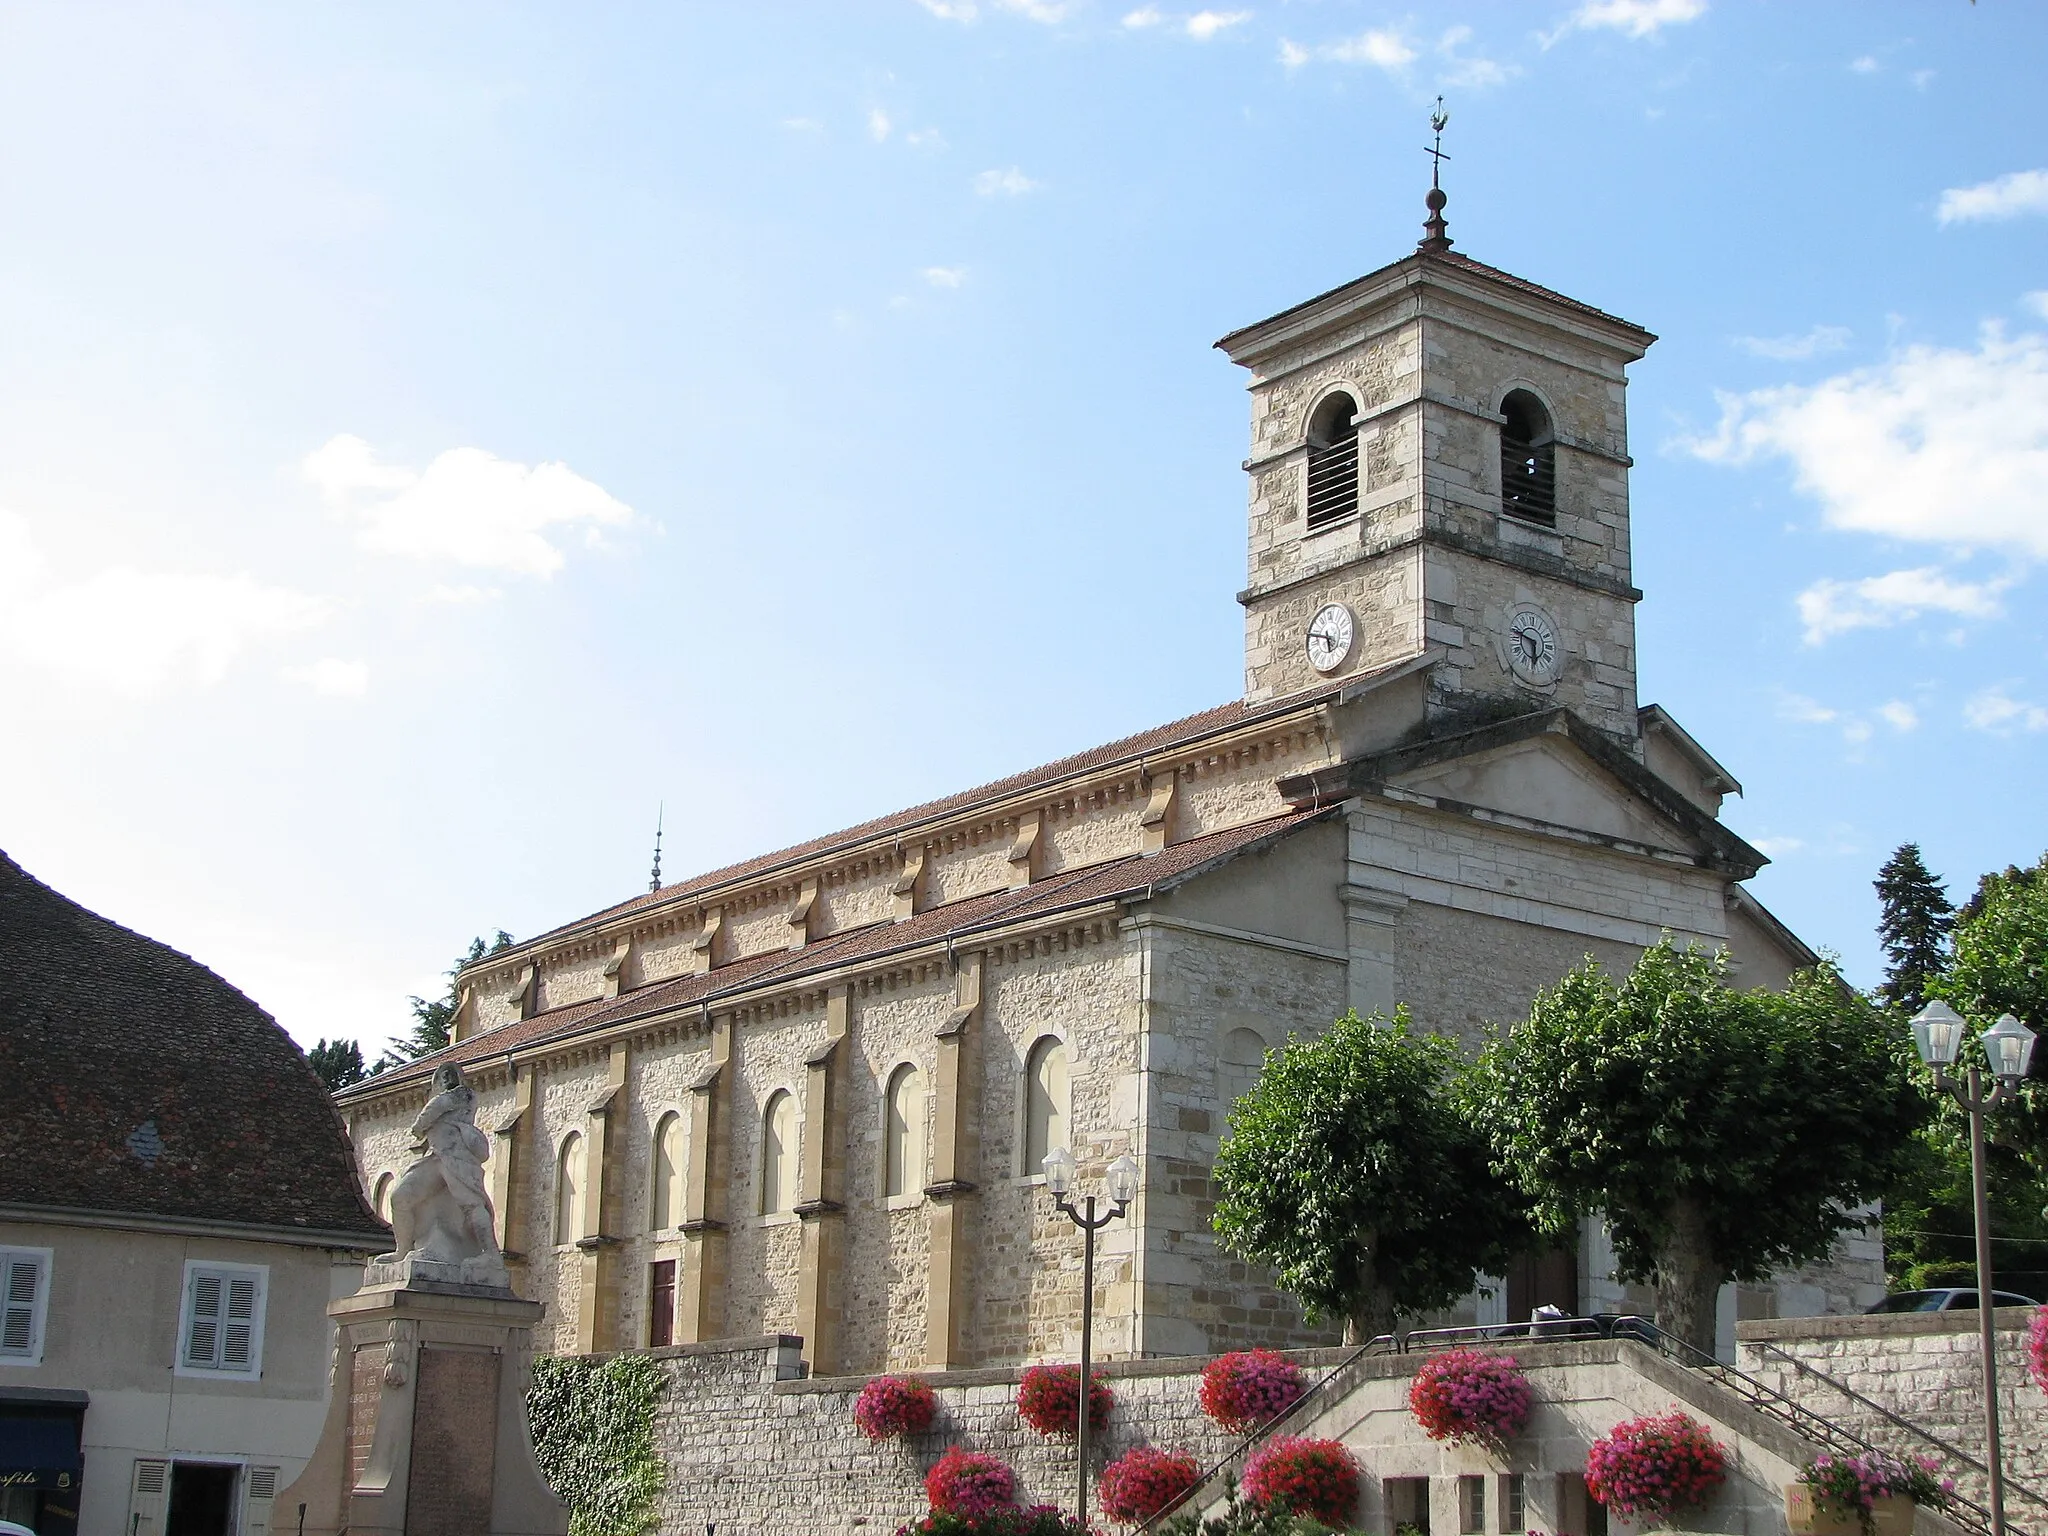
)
(1123, 1189)
(2008, 1048)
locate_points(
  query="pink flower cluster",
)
(1248, 1388)
(1856, 1483)
(2037, 1348)
(970, 1483)
(1469, 1395)
(1655, 1466)
(1143, 1481)
(895, 1405)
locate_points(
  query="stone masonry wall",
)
(756, 1449)
(1922, 1367)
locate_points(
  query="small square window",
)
(220, 1324)
(24, 1304)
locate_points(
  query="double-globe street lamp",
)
(2008, 1048)
(1123, 1189)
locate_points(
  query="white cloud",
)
(331, 676)
(1638, 18)
(951, 10)
(138, 632)
(1787, 349)
(467, 506)
(1899, 715)
(1801, 710)
(1831, 607)
(1478, 74)
(1937, 445)
(925, 138)
(803, 125)
(1045, 12)
(1293, 55)
(2037, 301)
(1145, 16)
(1777, 847)
(464, 594)
(1999, 712)
(1382, 46)
(878, 124)
(1006, 183)
(2006, 197)
(1866, 65)
(945, 277)
(1204, 25)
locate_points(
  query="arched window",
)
(1045, 1102)
(903, 1133)
(381, 1198)
(666, 1211)
(1528, 460)
(1332, 462)
(1242, 1059)
(778, 1155)
(569, 1189)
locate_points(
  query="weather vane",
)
(1435, 233)
(1438, 121)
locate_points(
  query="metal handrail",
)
(1757, 1394)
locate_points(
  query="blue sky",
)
(433, 436)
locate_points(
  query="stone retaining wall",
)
(1921, 1367)
(754, 1447)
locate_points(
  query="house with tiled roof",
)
(811, 1093)
(178, 1205)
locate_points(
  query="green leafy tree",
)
(1724, 1135)
(337, 1063)
(1999, 964)
(433, 1022)
(1352, 1169)
(1914, 919)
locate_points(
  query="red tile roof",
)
(1176, 733)
(137, 1082)
(1122, 877)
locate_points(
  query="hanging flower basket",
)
(1049, 1400)
(1471, 1397)
(1656, 1466)
(1294, 1475)
(895, 1405)
(1249, 1387)
(1142, 1482)
(970, 1483)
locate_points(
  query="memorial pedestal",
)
(426, 1431)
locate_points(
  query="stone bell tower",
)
(1439, 466)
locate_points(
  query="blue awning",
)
(39, 1450)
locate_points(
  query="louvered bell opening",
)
(1332, 462)
(1528, 461)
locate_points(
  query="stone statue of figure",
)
(440, 1210)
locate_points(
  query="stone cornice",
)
(1534, 562)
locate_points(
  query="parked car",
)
(1949, 1298)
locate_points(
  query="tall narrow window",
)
(569, 1190)
(1045, 1102)
(382, 1198)
(778, 1155)
(1528, 460)
(661, 1303)
(222, 1322)
(903, 1135)
(24, 1300)
(666, 1210)
(1332, 462)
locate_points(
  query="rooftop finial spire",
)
(654, 879)
(1436, 236)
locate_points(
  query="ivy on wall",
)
(593, 1435)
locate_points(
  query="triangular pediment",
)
(1547, 771)
(1548, 780)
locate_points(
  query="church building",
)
(810, 1094)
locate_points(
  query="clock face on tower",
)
(1331, 634)
(1534, 652)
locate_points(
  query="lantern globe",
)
(2008, 1048)
(1123, 1180)
(1059, 1171)
(1938, 1034)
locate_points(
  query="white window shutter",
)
(20, 1286)
(238, 1342)
(202, 1338)
(262, 1483)
(149, 1498)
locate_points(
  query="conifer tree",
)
(337, 1063)
(1914, 920)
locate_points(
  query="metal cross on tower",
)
(1435, 233)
